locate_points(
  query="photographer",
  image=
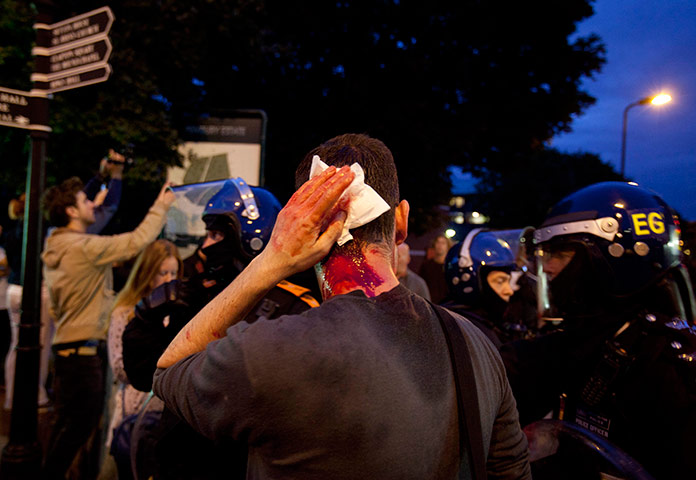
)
(106, 197)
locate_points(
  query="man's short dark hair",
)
(58, 198)
(376, 161)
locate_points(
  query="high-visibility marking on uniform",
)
(300, 292)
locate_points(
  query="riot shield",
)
(185, 227)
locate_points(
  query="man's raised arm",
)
(304, 233)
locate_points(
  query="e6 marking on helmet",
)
(648, 222)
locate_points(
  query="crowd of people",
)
(216, 366)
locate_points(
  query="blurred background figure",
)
(478, 271)
(406, 277)
(104, 189)
(623, 362)
(159, 263)
(77, 268)
(432, 269)
(13, 247)
(522, 307)
(5, 331)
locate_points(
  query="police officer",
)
(478, 271)
(239, 220)
(623, 362)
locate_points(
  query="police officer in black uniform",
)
(239, 220)
(478, 272)
(622, 363)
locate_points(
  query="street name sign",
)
(88, 25)
(78, 52)
(78, 78)
(15, 109)
(65, 61)
(94, 53)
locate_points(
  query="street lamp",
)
(660, 99)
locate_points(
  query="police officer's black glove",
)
(163, 300)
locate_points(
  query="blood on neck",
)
(347, 269)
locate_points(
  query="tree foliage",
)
(473, 83)
(524, 192)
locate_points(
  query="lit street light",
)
(660, 99)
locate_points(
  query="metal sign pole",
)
(21, 458)
(69, 54)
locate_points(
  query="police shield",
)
(560, 449)
(185, 226)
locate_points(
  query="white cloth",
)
(364, 203)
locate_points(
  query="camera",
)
(126, 151)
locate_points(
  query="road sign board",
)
(15, 109)
(62, 61)
(76, 78)
(88, 25)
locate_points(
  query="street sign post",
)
(78, 53)
(15, 109)
(70, 54)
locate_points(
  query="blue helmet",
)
(239, 207)
(469, 262)
(627, 232)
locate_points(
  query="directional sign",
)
(75, 52)
(88, 25)
(15, 106)
(63, 61)
(77, 78)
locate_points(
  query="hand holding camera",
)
(113, 163)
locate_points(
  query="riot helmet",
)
(244, 213)
(607, 240)
(469, 263)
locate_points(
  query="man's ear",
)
(401, 222)
(72, 212)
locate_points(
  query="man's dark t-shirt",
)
(357, 388)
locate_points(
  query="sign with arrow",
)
(14, 108)
(96, 52)
(75, 79)
(65, 60)
(96, 23)
(78, 53)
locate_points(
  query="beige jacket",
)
(77, 272)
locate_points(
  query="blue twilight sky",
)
(651, 46)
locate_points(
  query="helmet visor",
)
(185, 226)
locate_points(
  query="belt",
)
(84, 351)
(84, 348)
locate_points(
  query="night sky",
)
(651, 46)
